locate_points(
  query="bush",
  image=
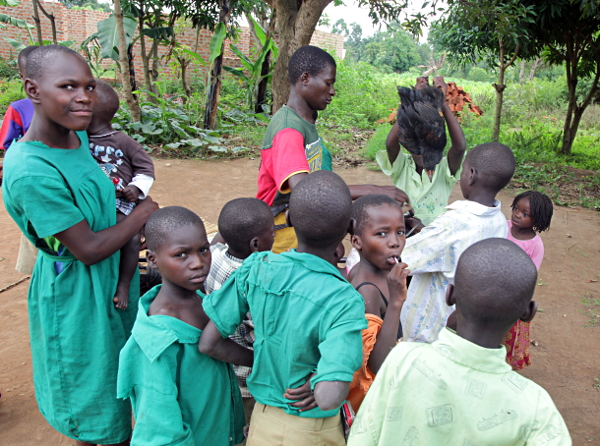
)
(8, 68)
(11, 91)
(478, 74)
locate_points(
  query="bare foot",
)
(121, 299)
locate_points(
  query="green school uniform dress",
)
(307, 318)
(76, 332)
(179, 396)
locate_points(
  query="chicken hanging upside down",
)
(421, 126)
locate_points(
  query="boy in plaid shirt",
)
(245, 226)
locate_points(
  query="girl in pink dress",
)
(531, 214)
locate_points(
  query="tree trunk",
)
(264, 82)
(536, 64)
(575, 111)
(132, 103)
(296, 22)
(184, 83)
(50, 17)
(500, 87)
(522, 73)
(143, 52)
(38, 24)
(214, 89)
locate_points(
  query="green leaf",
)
(9, 3)
(216, 42)
(239, 149)
(219, 149)
(243, 58)
(160, 32)
(15, 43)
(19, 23)
(196, 56)
(109, 37)
(236, 72)
(260, 32)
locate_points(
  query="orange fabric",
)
(363, 378)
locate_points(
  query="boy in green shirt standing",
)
(459, 390)
(179, 396)
(308, 321)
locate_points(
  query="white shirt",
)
(432, 256)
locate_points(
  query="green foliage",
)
(10, 92)
(252, 80)
(377, 142)
(108, 36)
(363, 95)
(8, 68)
(93, 5)
(478, 74)
(166, 123)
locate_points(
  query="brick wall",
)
(77, 25)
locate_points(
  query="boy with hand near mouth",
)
(172, 386)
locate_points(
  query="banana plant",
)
(252, 74)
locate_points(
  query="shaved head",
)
(494, 283)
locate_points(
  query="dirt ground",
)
(565, 332)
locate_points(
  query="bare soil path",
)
(566, 357)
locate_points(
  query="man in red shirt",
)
(292, 147)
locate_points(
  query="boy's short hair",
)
(37, 59)
(360, 208)
(308, 59)
(242, 219)
(320, 208)
(22, 58)
(494, 282)
(541, 209)
(495, 163)
(108, 101)
(167, 220)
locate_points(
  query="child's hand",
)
(304, 395)
(441, 84)
(131, 193)
(396, 280)
(393, 192)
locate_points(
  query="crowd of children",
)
(261, 328)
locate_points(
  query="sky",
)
(352, 13)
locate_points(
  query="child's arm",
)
(392, 144)
(92, 247)
(143, 171)
(457, 137)
(330, 395)
(224, 349)
(431, 250)
(388, 335)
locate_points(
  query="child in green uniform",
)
(179, 395)
(307, 320)
(459, 390)
(64, 205)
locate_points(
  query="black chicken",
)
(421, 127)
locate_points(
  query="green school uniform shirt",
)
(180, 397)
(428, 198)
(75, 331)
(307, 318)
(454, 392)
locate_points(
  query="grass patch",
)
(592, 310)
(376, 142)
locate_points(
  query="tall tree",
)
(393, 50)
(297, 19)
(492, 30)
(569, 31)
(132, 103)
